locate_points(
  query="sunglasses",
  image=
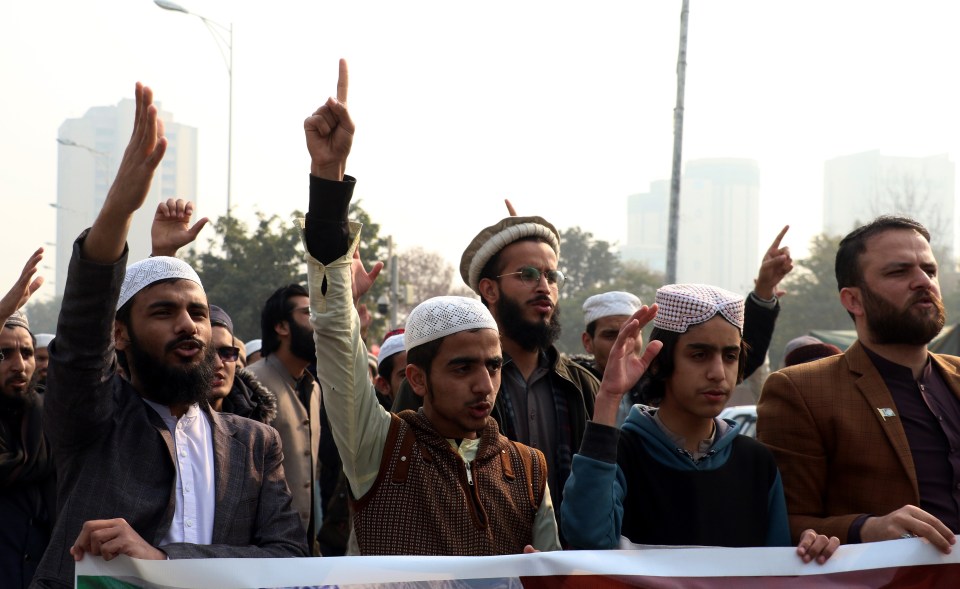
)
(229, 353)
(531, 276)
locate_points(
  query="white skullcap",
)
(442, 316)
(491, 240)
(799, 342)
(390, 346)
(145, 272)
(253, 346)
(683, 305)
(44, 339)
(609, 303)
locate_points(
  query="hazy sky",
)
(564, 107)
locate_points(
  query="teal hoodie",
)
(592, 508)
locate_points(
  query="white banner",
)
(894, 563)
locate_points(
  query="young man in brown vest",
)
(442, 480)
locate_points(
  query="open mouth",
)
(187, 348)
(480, 410)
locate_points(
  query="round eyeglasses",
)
(531, 276)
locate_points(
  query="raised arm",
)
(592, 508)
(23, 288)
(337, 279)
(108, 236)
(78, 401)
(762, 306)
(624, 367)
(171, 229)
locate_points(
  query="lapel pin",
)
(886, 412)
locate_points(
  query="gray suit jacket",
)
(114, 455)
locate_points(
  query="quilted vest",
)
(423, 502)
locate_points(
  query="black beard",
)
(18, 400)
(173, 385)
(528, 335)
(890, 325)
(301, 342)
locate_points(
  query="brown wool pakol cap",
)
(491, 240)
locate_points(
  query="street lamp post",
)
(217, 31)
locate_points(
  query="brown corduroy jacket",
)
(836, 434)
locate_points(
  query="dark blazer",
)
(114, 455)
(839, 455)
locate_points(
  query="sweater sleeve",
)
(778, 526)
(545, 536)
(592, 509)
(358, 423)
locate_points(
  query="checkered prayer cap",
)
(683, 305)
(145, 272)
(442, 316)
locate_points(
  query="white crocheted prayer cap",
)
(683, 305)
(43, 339)
(491, 240)
(145, 272)
(253, 345)
(608, 304)
(442, 316)
(392, 345)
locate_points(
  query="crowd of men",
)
(144, 427)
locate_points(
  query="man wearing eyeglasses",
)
(545, 398)
(236, 390)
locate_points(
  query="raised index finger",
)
(776, 242)
(342, 82)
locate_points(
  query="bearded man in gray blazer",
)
(144, 467)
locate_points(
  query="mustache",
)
(184, 339)
(17, 379)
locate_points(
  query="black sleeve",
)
(758, 324)
(326, 231)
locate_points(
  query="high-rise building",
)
(647, 216)
(719, 224)
(859, 187)
(90, 151)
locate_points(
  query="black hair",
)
(276, 310)
(386, 366)
(422, 356)
(847, 266)
(591, 328)
(653, 383)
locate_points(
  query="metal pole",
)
(230, 126)
(674, 222)
(394, 285)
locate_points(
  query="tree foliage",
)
(427, 272)
(243, 266)
(43, 314)
(587, 263)
(592, 267)
(812, 300)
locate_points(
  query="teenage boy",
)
(679, 474)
